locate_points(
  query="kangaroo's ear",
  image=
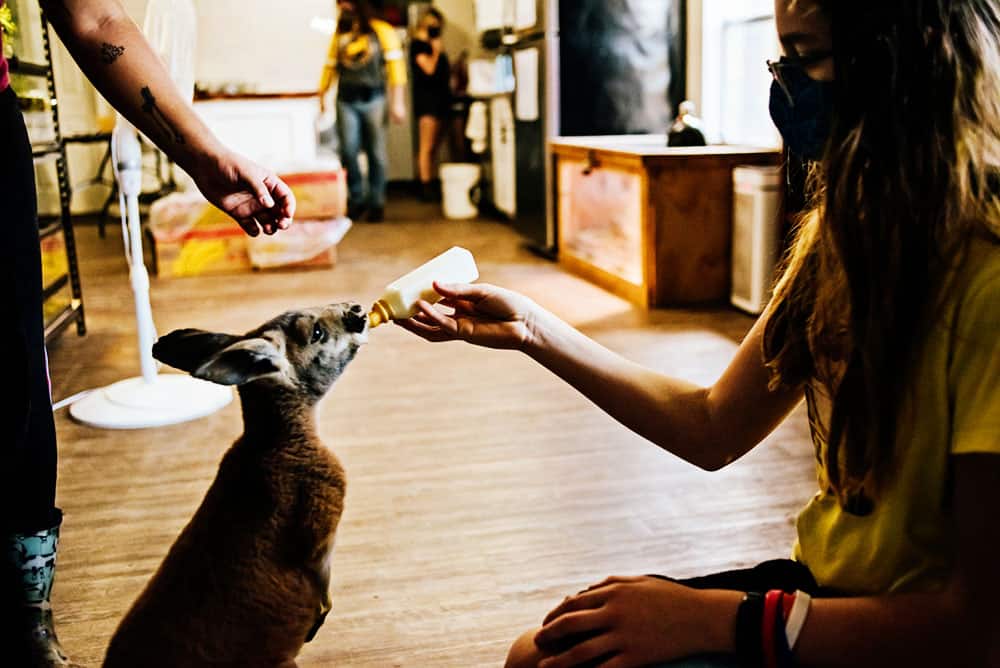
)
(242, 362)
(188, 349)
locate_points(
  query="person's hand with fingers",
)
(626, 622)
(253, 196)
(478, 313)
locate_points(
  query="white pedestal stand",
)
(150, 400)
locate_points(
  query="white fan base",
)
(136, 404)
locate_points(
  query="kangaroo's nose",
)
(354, 321)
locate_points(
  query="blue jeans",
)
(362, 126)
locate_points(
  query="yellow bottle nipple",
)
(379, 315)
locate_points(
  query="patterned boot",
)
(31, 559)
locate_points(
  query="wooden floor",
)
(482, 490)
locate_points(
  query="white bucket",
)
(458, 180)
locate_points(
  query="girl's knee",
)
(524, 653)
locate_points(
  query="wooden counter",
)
(650, 223)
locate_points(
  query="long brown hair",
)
(908, 175)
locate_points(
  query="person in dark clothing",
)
(431, 92)
(109, 48)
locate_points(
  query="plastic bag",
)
(301, 243)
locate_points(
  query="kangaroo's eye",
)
(319, 334)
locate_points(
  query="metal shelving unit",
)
(57, 318)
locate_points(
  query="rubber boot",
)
(30, 564)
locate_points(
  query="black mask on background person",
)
(434, 32)
(346, 21)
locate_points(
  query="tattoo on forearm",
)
(162, 122)
(110, 52)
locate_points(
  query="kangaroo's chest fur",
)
(247, 581)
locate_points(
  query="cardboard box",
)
(320, 193)
(193, 238)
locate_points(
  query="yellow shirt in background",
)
(907, 541)
(392, 51)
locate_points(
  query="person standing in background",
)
(431, 93)
(366, 62)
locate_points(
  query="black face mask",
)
(346, 21)
(802, 115)
(434, 32)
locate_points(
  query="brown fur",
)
(247, 581)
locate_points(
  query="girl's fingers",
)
(460, 306)
(614, 579)
(472, 292)
(428, 333)
(420, 317)
(581, 654)
(584, 601)
(571, 624)
(465, 307)
(435, 316)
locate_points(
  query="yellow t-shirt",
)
(906, 541)
(392, 52)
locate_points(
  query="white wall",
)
(266, 44)
(733, 81)
(460, 29)
(272, 47)
(694, 47)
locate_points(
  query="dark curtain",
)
(622, 65)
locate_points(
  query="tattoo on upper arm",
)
(111, 52)
(162, 122)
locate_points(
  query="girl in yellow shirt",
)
(366, 63)
(886, 320)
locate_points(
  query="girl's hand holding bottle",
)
(482, 314)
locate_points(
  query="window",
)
(737, 39)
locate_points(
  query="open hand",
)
(479, 313)
(253, 196)
(625, 622)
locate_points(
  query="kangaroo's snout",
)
(305, 349)
(355, 320)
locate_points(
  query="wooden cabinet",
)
(649, 223)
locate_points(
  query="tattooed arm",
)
(115, 56)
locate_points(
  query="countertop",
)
(653, 145)
(202, 96)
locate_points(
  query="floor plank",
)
(481, 489)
